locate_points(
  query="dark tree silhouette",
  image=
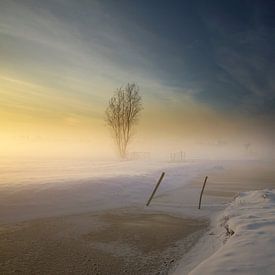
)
(122, 115)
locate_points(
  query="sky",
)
(205, 71)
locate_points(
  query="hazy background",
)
(205, 73)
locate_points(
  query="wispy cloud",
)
(242, 44)
(56, 61)
(62, 60)
(57, 44)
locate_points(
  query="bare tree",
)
(122, 115)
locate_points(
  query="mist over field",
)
(112, 116)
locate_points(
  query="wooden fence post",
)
(205, 180)
(156, 187)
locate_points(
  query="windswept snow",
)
(242, 243)
(36, 189)
(248, 229)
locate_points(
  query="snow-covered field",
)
(95, 211)
(36, 189)
(241, 239)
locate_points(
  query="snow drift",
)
(248, 230)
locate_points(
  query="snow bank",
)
(248, 225)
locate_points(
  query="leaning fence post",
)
(156, 187)
(205, 180)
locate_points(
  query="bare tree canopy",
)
(122, 115)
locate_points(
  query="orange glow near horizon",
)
(35, 121)
(55, 83)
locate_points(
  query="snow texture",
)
(248, 229)
(38, 189)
